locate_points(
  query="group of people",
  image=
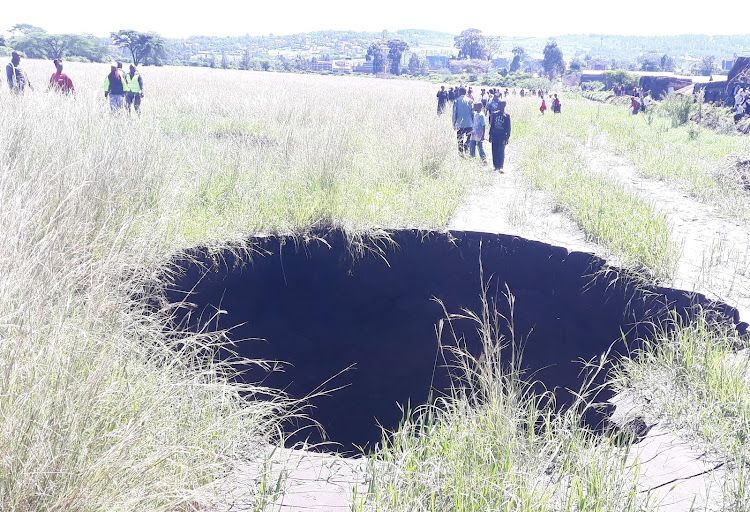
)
(473, 119)
(556, 105)
(640, 100)
(122, 89)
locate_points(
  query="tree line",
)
(36, 43)
(150, 48)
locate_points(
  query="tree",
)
(553, 62)
(143, 47)
(471, 44)
(650, 64)
(667, 63)
(519, 54)
(396, 49)
(576, 64)
(245, 61)
(224, 61)
(22, 29)
(375, 54)
(707, 66)
(2, 40)
(41, 45)
(416, 66)
(212, 61)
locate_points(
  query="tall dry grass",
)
(103, 405)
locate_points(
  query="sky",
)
(539, 18)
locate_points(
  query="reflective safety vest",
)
(132, 83)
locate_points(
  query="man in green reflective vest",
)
(134, 93)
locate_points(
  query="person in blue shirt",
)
(463, 119)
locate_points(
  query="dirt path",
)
(295, 481)
(714, 261)
(508, 206)
(715, 253)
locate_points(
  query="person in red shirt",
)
(60, 81)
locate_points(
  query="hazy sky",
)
(174, 18)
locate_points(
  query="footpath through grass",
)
(628, 226)
(696, 159)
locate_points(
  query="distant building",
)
(321, 65)
(437, 61)
(597, 64)
(363, 67)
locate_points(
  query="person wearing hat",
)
(17, 80)
(114, 88)
(134, 89)
(60, 81)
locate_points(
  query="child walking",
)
(477, 132)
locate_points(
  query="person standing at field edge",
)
(499, 135)
(59, 81)
(463, 119)
(114, 88)
(17, 80)
(134, 93)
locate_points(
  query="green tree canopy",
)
(416, 65)
(21, 29)
(471, 44)
(651, 64)
(41, 45)
(708, 65)
(519, 54)
(576, 64)
(396, 49)
(149, 48)
(667, 63)
(553, 62)
(377, 56)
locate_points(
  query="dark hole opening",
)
(315, 306)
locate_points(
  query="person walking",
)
(543, 106)
(134, 89)
(442, 98)
(17, 79)
(114, 88)
(499, 135)
(463, 119)
(59, 81)
(477, 132)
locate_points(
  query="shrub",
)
(677, 108)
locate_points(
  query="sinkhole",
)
(322, 307)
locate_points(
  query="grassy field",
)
(103, 408)
(97, 401)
